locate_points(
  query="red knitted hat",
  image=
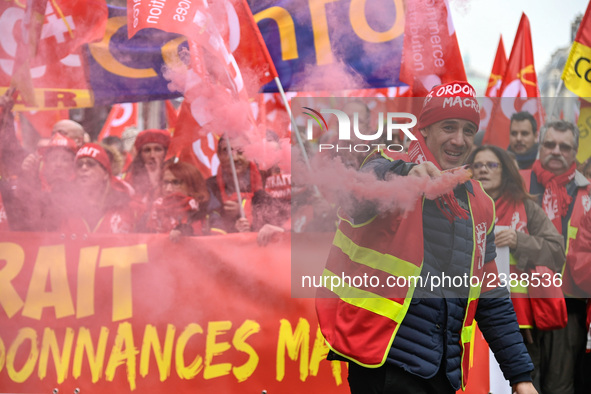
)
(156, 136)
(451, 100)
(96, 152)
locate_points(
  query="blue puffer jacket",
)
(428, 338)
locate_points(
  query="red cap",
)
(451, 100)
(156, 136)
(59, 141)
(96, 152)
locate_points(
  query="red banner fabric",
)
(431, 55)
(135, 313)
(121, 117)
(521, 83)
(498, 71)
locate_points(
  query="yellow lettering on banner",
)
(335, 366)
(123, 351)
(320, 29)
(364, 31)
(103, 56)
(61, 361)
(96, 360)
(86, 274)
(293, 342)
(248, 328)
(14, 257)
(319, 353)
(55, 99)
(190, 371)
(24, 334)
(163, 358)
(122, 259)
(213, 348)
(50, 264)
(287, 36)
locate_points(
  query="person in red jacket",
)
(101, 204)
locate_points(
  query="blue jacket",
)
(428, 338)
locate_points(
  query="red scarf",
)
(447, 203)
(556, 200)
(506, 210)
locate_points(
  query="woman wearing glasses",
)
(531, 237)
(185, 206)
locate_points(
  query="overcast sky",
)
(479, 24)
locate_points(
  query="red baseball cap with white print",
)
(455, 99)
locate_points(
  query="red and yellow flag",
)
(498, 71)
(577, 70)
(519, 89)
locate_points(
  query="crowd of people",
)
(541, 199)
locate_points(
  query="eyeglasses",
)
(564, 148)
(490, 165)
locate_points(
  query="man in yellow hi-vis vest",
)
(410, 329)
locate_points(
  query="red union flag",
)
(247, 45)
(498, 71)
(193, 145)
(431, 55)
(45, 39)
(521, 84)
(120, 118)
(576, 74)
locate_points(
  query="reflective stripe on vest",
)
(361, 323)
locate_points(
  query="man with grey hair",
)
(564, 194)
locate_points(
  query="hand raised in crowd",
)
(269, 233)
(242, 225)
(524, 388)
(506, 237)
(425, 169)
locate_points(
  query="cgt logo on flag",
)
(345, 126)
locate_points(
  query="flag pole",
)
(293, 122)
(234, 176)
(297, 131)
(556, 97)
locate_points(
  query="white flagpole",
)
(235, 176)
(293, 122)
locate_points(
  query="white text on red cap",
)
(453, 89)
(462, 102)
(88, 151)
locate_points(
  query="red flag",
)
(427, 62)
(171, 115)
(190, 144)
(498, 71)
(120, 118)
(520, 82)
(43, 121)
(247, 45)
(53, 62)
